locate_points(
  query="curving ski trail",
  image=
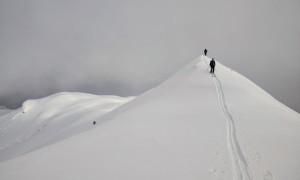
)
(238, 160)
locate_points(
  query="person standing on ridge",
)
(205, 52)
(212, 65)
(94, 122)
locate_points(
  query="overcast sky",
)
(125, 47)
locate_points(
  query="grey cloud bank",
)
(126, 47)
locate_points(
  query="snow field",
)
(192, 126)
(45, 121)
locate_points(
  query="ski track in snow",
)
(238, 160)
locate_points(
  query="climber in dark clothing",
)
(205, 52)
(212, 65)
(94, 122)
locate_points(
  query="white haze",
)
(125, 47)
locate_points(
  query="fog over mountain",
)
(126, 47)
(232, 129)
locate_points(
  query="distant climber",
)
(212, 65)
(94, 122)
(205, 52)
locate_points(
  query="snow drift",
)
(192, 126)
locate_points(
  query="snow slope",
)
(192, 126)
(45, 121)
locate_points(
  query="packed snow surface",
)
(193, 126)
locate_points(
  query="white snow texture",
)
(195, 125)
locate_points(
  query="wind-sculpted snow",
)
(181, 129)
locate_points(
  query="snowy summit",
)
(193, 126)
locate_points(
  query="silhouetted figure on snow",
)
(94, 122)
(212, 65)
(205, 52)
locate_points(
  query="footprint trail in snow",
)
(238, 160)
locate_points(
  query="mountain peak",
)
(192, 126)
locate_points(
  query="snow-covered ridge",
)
(193, 126)
(45, 121)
